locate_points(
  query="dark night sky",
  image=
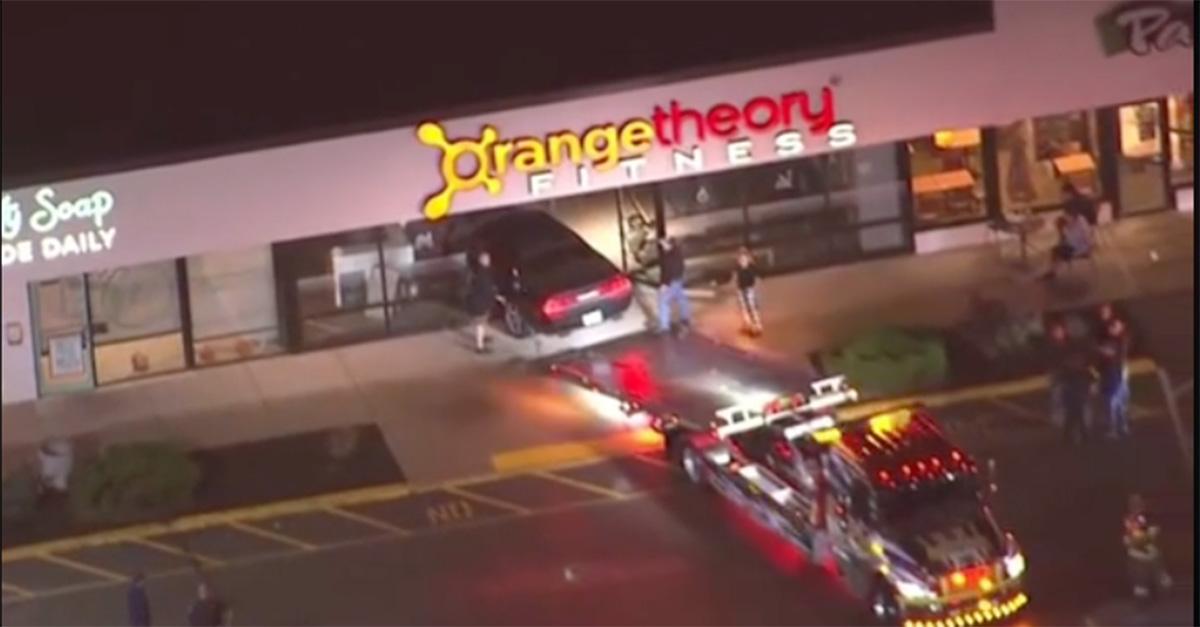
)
(95, 86)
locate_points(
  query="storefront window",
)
(424, 279)
(594, 217)
(233, 305)
(639, 223)
(1181, 121)
(1140, 164)
(135, 321)
(705, 214)
(809, 212)
(1036, 157)
(947, 178)
(336, 284)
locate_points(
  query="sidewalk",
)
(445, 411)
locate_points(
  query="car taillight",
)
(556, 306)
(616, 286)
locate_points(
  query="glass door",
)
(61, 324)
(1141, 165)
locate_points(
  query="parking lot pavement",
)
(622, 541)
(236, 542)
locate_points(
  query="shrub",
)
(20, 495)
(889, 361)
(134, 481)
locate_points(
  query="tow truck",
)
(902, 512)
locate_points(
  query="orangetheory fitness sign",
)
(673, 132)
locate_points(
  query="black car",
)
(551, 279)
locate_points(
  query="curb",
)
(508, 462)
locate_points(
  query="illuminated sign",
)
(1146, 26)
(56, 227)
(483, 162)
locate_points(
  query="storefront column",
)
(1108, 131)
(1164, 134)
(185, 312)
(991, 174)
(907, 204)
(286, 301)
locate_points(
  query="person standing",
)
(137, 601)
(1114, 378)
(481, 298)
(1075, 203)
(1075, 382)
(1146, 568)
(670, 289)
(1058, 347)
(747, 284)
(207, 610)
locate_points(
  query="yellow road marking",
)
(174, 550)
(17, 590)
(542, 457)
(80, 566)
(271, 535)
(200, 521)
(487, 500)
(582, 485)
(367, 520)
(1138, 366)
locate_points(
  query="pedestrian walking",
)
(747, 287)
(481, 298)
(1114, 379)
(670, 289)
(137, 601)
(1147, 573)
(207, 610)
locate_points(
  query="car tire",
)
(884, 604)
(693, 466)
(515, 323)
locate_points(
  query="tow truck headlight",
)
(1014, 560)
(1014, 565)
(914, 590)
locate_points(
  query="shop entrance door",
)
(62, 335)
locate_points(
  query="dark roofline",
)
(400, 121)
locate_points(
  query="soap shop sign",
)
(52, 226)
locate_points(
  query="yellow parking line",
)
(200, 521)
(487, 500)
(17, 590)
(582, 485)
(1137, 366)
(80, 566)
(271, 535)
(367, 520)
(174, 550)
(542, 457)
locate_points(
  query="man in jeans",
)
(1114, 378)
(670, 287)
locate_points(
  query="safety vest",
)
(1139, 538)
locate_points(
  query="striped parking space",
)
(216, 542)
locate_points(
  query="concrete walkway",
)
(445, 411)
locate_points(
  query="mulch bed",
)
(279, 469)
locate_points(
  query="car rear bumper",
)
(574, 319)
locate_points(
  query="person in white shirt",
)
(1074, 242)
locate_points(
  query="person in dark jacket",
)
(207, 610)
(747, 282)
(670, 290)
(1075, 384)
(138, 601)
(481, 298)
(1075, 203)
